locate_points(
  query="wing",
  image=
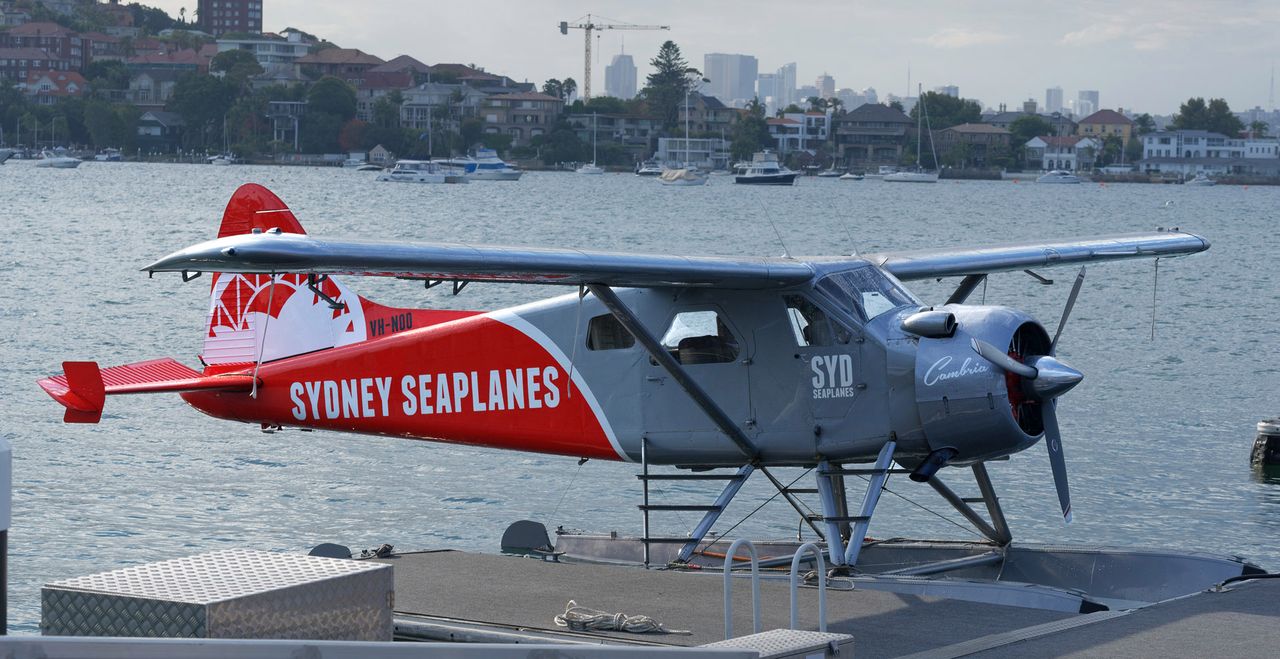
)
(289, 252)
(930, 263)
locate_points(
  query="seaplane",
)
(692, 362)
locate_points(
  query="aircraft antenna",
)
(785, 251)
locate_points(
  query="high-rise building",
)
(767, 88)
(620, 77)
(1029, 106)
(217, 17)
(948, 90)
(733, 77)
(1087, 102)
(785, 85)
(1053, 100)
(826, 86)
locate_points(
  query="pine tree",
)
(666, 86)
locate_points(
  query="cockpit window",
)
(810, 324)
(866, 292)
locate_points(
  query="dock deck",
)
(465, 596)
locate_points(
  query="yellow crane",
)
(590, 26)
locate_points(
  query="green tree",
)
(750, 133)
(236, 65)
(816, 103)
(386, 110)
(897, 105)
(1258, 128)
(1133, 150)
(945, 111)
(106, 74)
(106, 127)
(553, 87)
(333, 96)
(1112, 150)
(472, 131)
(203, 102)
(318, 132)
(1214, 116)
(665, 88)
(1143, 124)
(1023, 130)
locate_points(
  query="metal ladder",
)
(711, 512)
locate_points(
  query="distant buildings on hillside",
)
(620, 77)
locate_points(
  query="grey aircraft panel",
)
(286, 252)
(951, 262)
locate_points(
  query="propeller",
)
(1047, 379)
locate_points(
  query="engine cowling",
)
(966, 402)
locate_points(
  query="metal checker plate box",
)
(227, 594)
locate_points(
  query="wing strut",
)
(699, 395)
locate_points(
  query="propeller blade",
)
(1066, 311)
(999, 358)
(1053, 442)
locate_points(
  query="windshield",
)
(866, 292)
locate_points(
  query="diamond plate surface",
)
(227, 594)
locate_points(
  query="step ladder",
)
(711, 512)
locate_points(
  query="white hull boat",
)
(850, 176)
(58, 162)
(683, 177)
(485, 166)
(1059, 176)
(423, 171)
(911, 177)
(1201, 181)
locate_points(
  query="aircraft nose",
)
(1053, 377)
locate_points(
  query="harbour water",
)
(1157, 438)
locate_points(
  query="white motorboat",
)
(1201, 180)
(765, 170)
(593, 168)
(369, 167)
(109, 155)
(424, 171)
(649, 168)
(485, 166)
(918, 174)
(850, 176)
(832, 172)
(353, 163)
(683, 176)
(881, 172)
(1058, 176)
(55, 161)
(221, 160)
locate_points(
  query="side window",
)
(810, 325)
(700, 337)
(606, 333)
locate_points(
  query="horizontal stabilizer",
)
(83, 387)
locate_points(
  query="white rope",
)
(580, 618)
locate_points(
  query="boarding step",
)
(680, 507)
(862, 471)
(687, 477)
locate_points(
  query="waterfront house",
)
(1103, 123)
(972, 145)
(57, 41)
(1066, 152)
(152, 88)
(277, 55)
(871, 135)
(379, 155)
(522, 115)
(634, 132)
(706, 153)
(1189, 152)
(706, 115)
(160, 131)
(348, 64)
(1060, 123)
(48, 87)
(440, 105)
(18, 63)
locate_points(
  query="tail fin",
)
(250, 319)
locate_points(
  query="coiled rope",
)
(580, 618)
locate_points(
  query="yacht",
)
(353, 163)
(765, 170)
(830, 173)
(592, 168)
(109, 155)
(1058, 176)
(485, 166)
(850, 176)
(918, 174)
(221, 160)
(424, 171)
(1201, 180)
(649, 168)
(49, 159)
(882, 171)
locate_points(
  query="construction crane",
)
(588, 27)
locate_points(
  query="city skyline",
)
(1147, 56)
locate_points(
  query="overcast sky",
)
(1141, 54)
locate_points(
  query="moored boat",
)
(424, 171)
(485, 166)
(55, 161)
(765, 170)
(850, 176)
(649, 168)
(1058, 176)
(1201, 180)
(683, 177)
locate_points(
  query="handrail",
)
(812, 548)
(755, 586)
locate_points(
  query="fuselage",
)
(819, 371)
